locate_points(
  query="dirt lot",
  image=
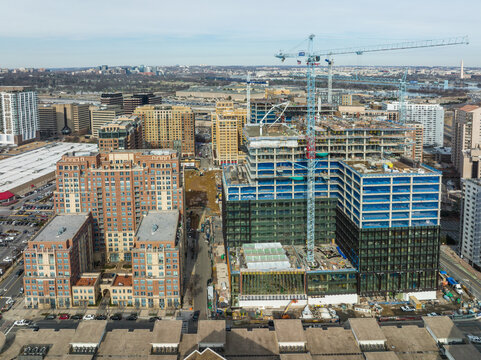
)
(201, 191)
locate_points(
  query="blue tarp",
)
(341, 253)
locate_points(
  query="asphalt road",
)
(203, 269)
(10, 287)
(456, 271)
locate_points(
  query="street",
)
(10, 287)
(202, 269)
(457, 271)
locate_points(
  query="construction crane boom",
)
(312, 59)
(383, 47)
(459, 40)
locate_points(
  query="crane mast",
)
(311, 151)
(312, 59)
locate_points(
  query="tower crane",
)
(312, 59)
(400, 83)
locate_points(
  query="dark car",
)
(34, 327)
(77, 317)
(132, 317)
(101, 317)
(19, 272)
(50, 317)
(196, 315)
(155, 318)
(117, 316)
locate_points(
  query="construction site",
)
(271, 275)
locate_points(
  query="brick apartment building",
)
(55, 259)
(118, 188)
(157, 260)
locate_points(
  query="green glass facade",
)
(391, 260)
(284, 221)
(331, 282)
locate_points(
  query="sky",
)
(75, 33)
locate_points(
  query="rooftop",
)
(463, 352)
(271, 131)
(86, 281)
(381, 355)
(289, 330)
(211, 332)
(14, 88)
(90, 331)
(409, 339)
(442, 327)
(386, 167)
(259, 342)
(342, 124)
(469, 108)
(167, 332)
(123, 280)
(274, 256)
(159, 226)
(21, 169)
(207, 354)
(333, 340)
(366, 329)
(61, 228)
(124, 344)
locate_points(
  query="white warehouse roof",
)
(23, 168)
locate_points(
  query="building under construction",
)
(269, 274)
(383, 214)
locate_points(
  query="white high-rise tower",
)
(18, 115)
(462, 69)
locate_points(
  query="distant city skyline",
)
(57, 33)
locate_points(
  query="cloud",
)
(223, 30)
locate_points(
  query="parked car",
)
(101, 317)
(132, 317)
(433, 314)
(89, 317)
(76, 316)
(196, 315)
(117, 316)
(50, 317)
(64, 316)
(407, 308)
(154, 318)
(22, 322)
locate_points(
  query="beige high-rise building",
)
(227, 125)
(104, 115)
(466, 146)
(415, 149)
(78, 117)
(123, 133)
(168, 127)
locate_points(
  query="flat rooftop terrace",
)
(273, 131)
(387, 167)
(61, 228)
(274, 257)
(342, 124)
(159, 226)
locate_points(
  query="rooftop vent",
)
(61, 230)
(155, 227)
